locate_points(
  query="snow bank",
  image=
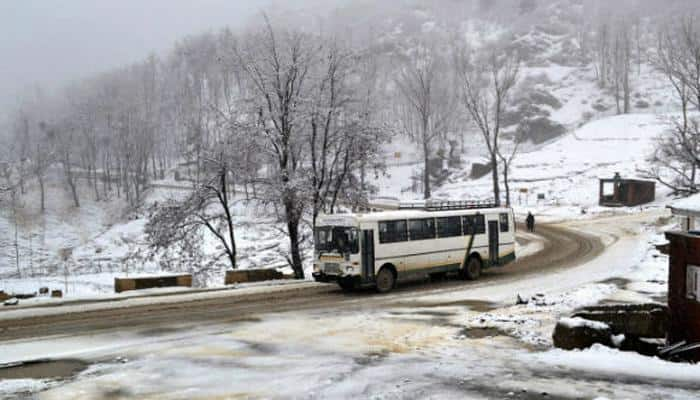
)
(603, 360)
(578, 322)
(12, 387)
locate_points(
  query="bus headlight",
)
(349, 270)
(316, 268)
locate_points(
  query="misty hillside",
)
(96, 173)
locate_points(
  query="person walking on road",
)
(530, 222)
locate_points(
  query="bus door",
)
(493, 242)
(368, 255)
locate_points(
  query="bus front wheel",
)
(386, 280)
(472, 270)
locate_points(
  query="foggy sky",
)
(50, 42)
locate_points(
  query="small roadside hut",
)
(619, 192)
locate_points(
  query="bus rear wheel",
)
(386, 280)
(472, 271)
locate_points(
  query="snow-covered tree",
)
(487, 82)
(676, 158)
(425, 83)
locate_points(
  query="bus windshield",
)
(340, 239)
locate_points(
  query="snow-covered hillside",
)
(565, 171)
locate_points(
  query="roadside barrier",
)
(252, 275)
(126, 284)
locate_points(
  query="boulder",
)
(539, 130)
(479, 170)
(641, 104)
(11, 302)
(647, 347)
(579, 333)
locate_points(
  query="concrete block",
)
(638, 320)
(569, 336)
(127, 284)
(252, 275)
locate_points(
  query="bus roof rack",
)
(448, 205)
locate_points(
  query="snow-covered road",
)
(468, 341)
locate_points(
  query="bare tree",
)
(486, 88)
(42, 159)
(613, 58)
(622, 65)
(507, 156)
(603, 52)
(209, 206)
(63, 138)
(424, 83)
(277, 65)
(343, 136)
(676, 158)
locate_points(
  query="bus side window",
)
(480, 224)
(503, 219)
(448, 227)
(474, 224)
(392, 232)
(421, 229)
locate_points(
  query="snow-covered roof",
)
(689, 206)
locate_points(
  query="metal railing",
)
(448, 205)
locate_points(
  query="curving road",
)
(562, 248)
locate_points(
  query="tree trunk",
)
(505, 182)
(14, 215)
(626, 83)
(494, 174)
(229, 218)
(94, 182)
(41, 192)
(71, 182)
(293, 229)
(426, 170)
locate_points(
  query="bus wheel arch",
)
(386, 278)
(472, 268)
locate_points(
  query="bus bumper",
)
(325, 278)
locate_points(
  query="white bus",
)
(379, 249)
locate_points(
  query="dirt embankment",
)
(563, 248)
